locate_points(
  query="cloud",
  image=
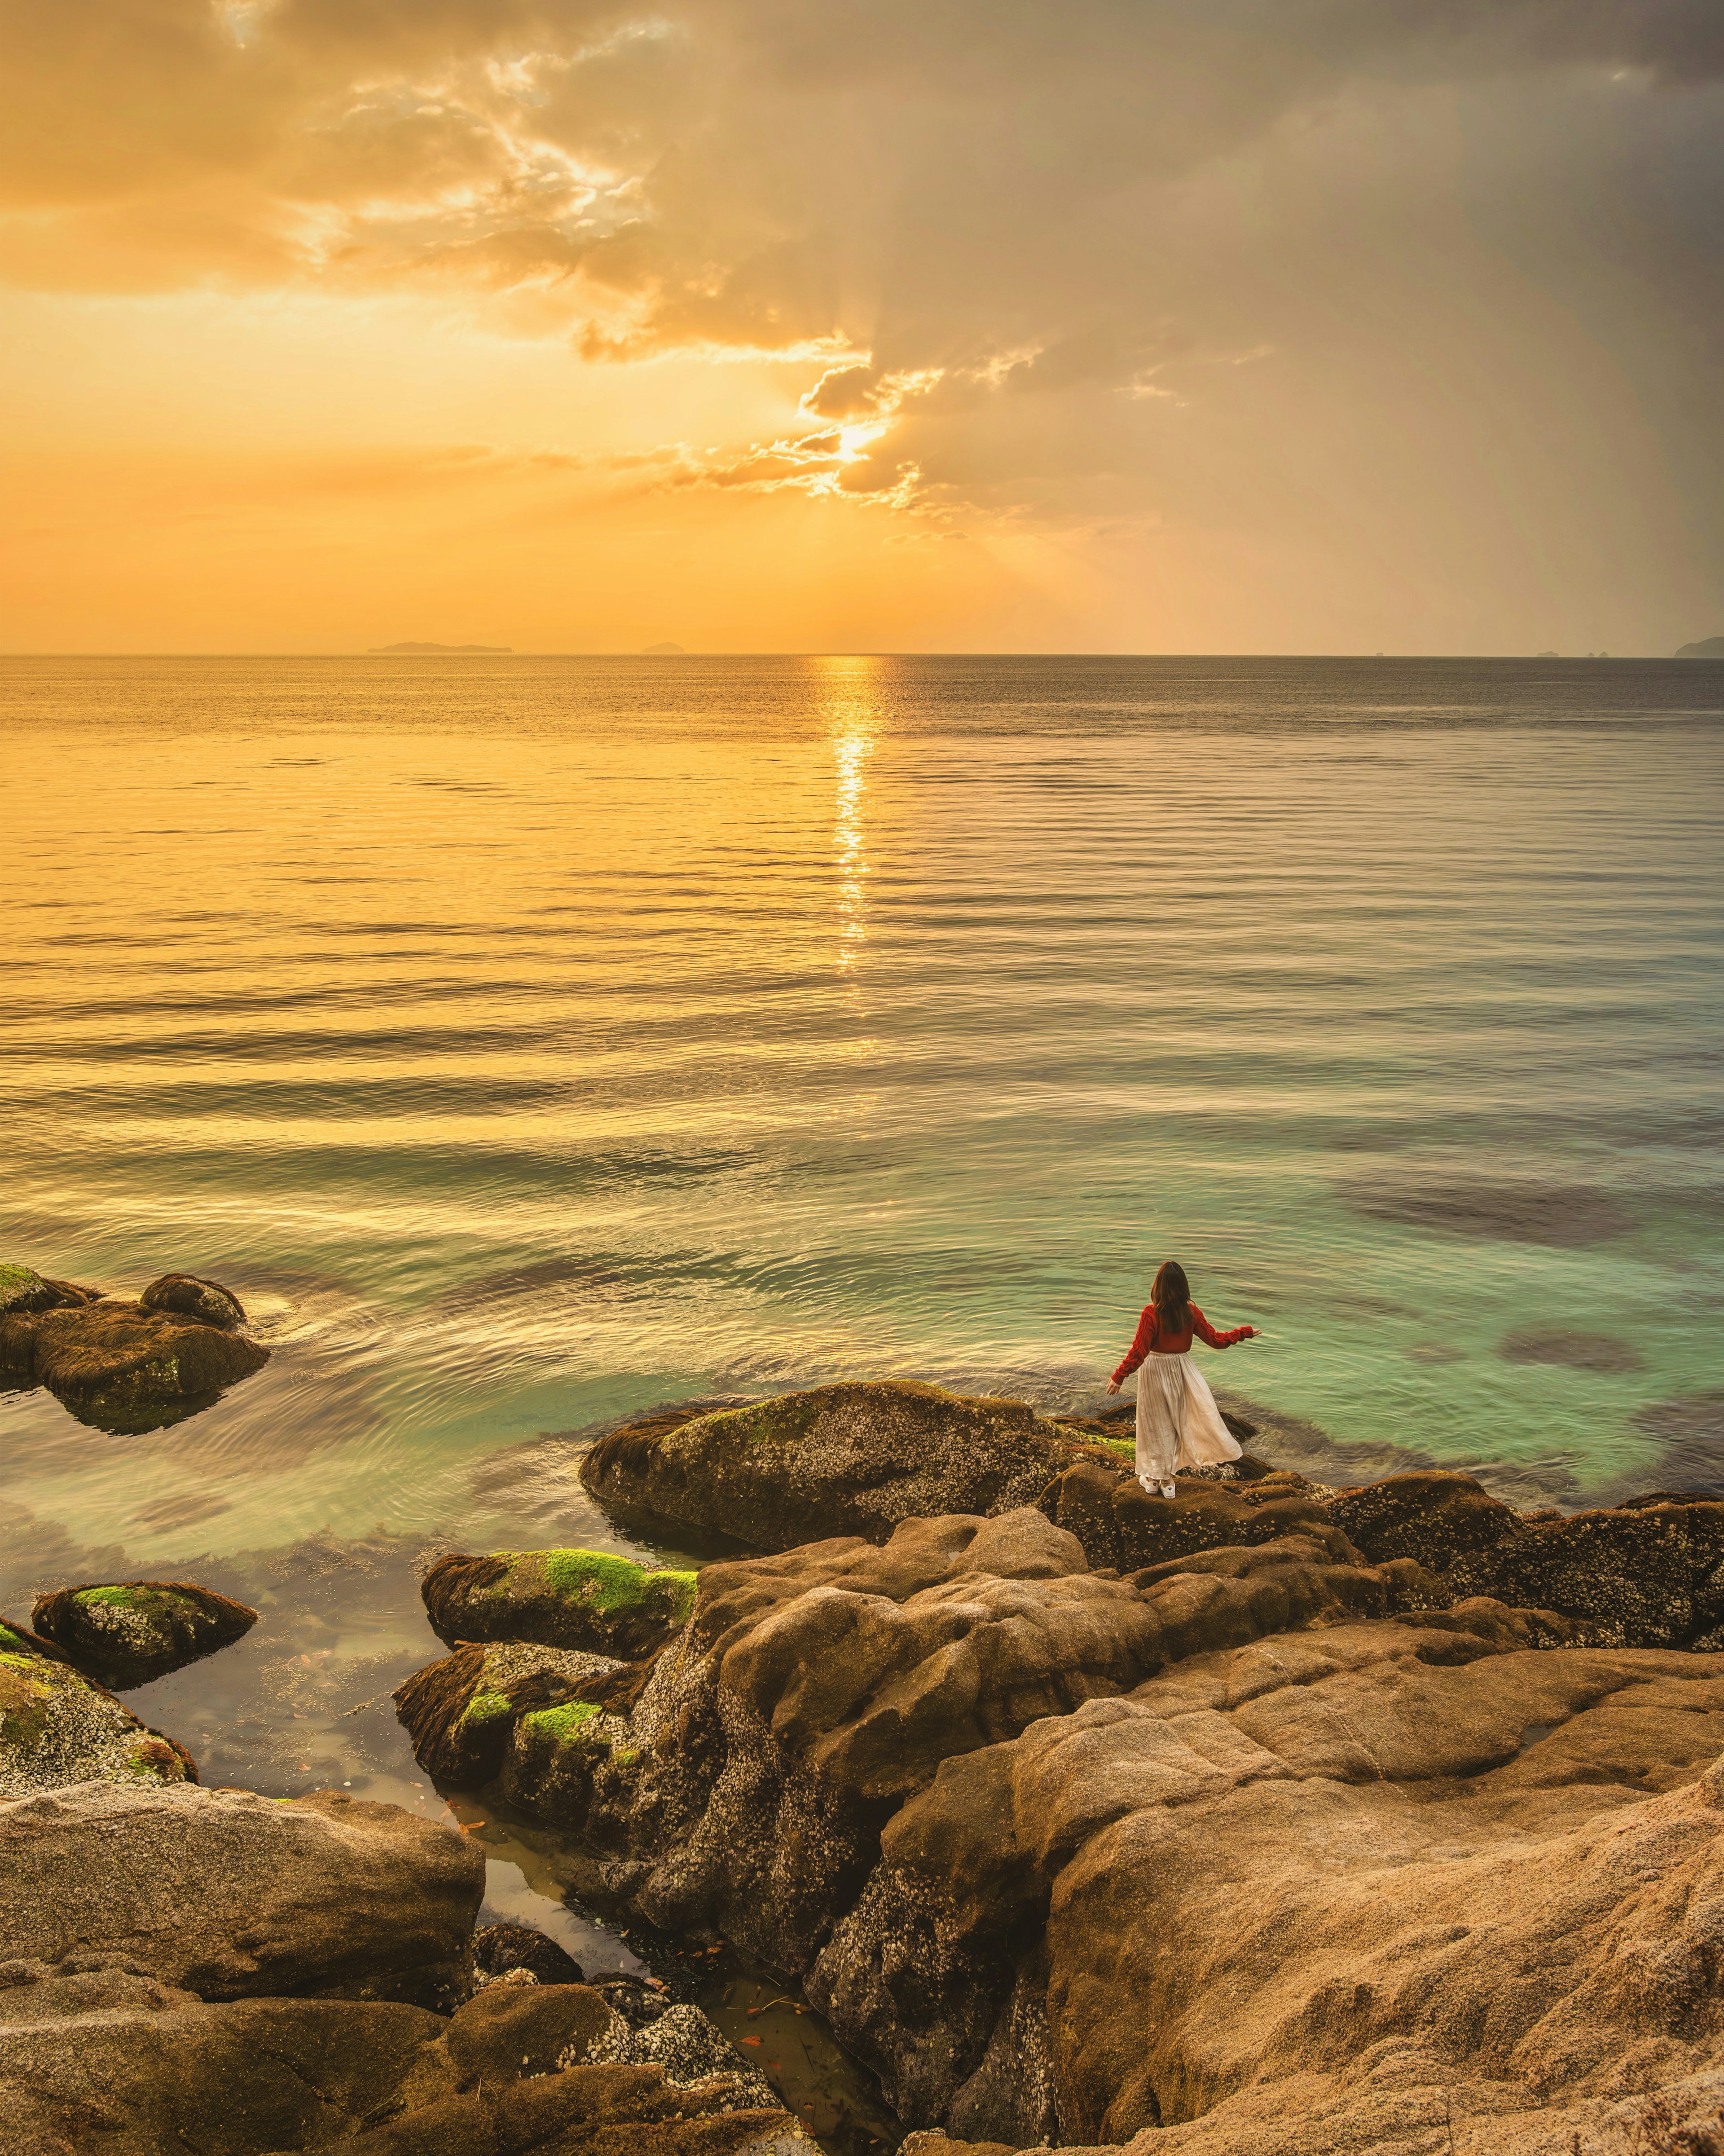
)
(1025, 254)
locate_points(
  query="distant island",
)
(383, 650)
(664, 651)
(1709, 647)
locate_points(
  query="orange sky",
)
(1257, 325)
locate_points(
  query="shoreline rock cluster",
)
(1272, 1816)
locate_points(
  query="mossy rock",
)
(133, 1631)
(460, 1713)
(586, 1600)
(58, 1728)
(24, 1292)
(119, 1366)
(837, 1459)
(558, 1757)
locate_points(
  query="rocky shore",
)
(1280, 1816)
(1277, 1816)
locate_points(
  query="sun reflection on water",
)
(852, 710)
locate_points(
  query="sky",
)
(1187, 325)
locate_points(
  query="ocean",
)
(530, 1041)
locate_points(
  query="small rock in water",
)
(184, 1295)
(133, 1632)
(121, 1367)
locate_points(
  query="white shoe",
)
(1167, 1489)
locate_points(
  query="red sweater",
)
(1175, 1343)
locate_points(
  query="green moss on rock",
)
(564, 1724)
(609, 1584)
(486, 1707)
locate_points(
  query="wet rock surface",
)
(840, 1460)
(498, 1949)
(133, 1632)
(1392, 1773)
(580, 1598)
(158, 2070)
(122, 1366)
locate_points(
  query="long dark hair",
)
(1171, 1297)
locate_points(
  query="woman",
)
(1179, 1423)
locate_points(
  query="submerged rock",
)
(185, 1295)
(840, 1460)
(132, 1633)
(585, 1600)
(122, 1366)
(57, 1727)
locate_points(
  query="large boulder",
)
(232, 1896)
(59, 1728)
(741, 1787)
(186, 1295)
(121, 1366)
(132, 1633)
(585, 1600)
(840, 1460)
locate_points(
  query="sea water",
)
(533, 1040)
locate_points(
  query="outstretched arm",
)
(1207, 1333)
(1140, 1345)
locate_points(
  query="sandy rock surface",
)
(840, 1460)
(232, 1896)
(132, 1632)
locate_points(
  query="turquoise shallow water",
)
(531, 1041)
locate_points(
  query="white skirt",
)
(1179, 1423)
